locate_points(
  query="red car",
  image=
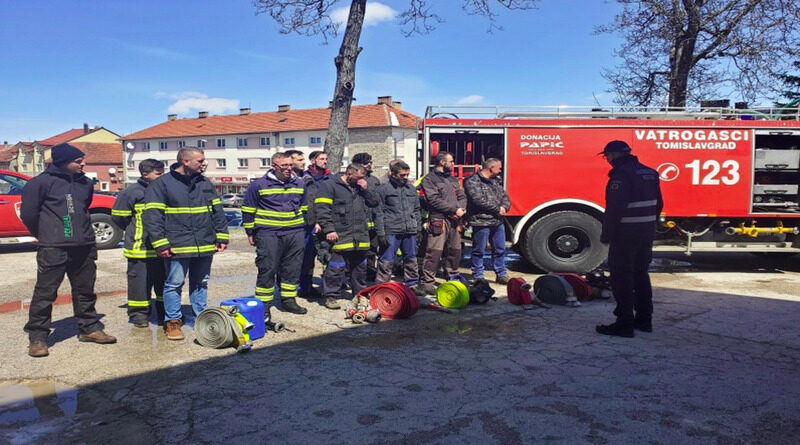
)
(12, 230)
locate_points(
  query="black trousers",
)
(280, 254)
(342, 264)
(52, 263)
(372, 256)
(628, 260)
(145, 276)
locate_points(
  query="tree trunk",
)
(345, 84)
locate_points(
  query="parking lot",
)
(720, 367)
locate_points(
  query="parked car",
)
(12, 230)
(232, 200)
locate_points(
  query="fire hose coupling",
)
(754, 231)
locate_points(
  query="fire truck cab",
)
(729, 177)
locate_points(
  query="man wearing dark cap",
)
(55, 209)
(376, 242)
(633, 205)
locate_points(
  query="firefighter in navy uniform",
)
(343, 206)
(145, 269)
(633, 205)
(313, 178)
(373, 182)
(273, 217)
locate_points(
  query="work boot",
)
(312, 294)
(425, 289)
(290, 305)
(173, 330)
(501, 280)
(616, 329)
(332, 303)
(97, 337)
(418, 291)
(37, 348)
(140, 321)
(644, 325)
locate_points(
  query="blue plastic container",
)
(253, 310)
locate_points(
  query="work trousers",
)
(407, 243)
(307, 268)
(144, 277)
(372, 256)
(281, 254)
(342, 264)
(496, 236)
(628, 260)
(447, 243)
(52, 263)
(199, 269)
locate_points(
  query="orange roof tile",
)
(361, 116)
(100, 153)
(7, 152)
(62, 137)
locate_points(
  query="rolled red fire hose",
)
(393, 300)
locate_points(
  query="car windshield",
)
(11, 185)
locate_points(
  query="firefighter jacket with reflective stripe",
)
(55, 208)
(442, 195)
(399, 210)
(345, 210)
(127, 213)
(372, 184)
(185, 214)
(313, 181)
(633, 201)
(272, 205)
(484, 198)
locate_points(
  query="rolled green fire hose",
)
(222, 327)
(452, 294)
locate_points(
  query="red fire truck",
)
(729, 177)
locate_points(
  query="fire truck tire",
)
(107, 234)
(566, 241)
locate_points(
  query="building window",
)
(181, 144)
(316, 140)
(145, 146)
(201, 143)
(242, 163)
(162, 145)
(265, 142)
(288, 141)
(220, 143)
(104, 186)
(166, 164)
(131, 164)
(264, 162)
(221, 163)
(241, 142)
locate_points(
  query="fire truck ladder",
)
(790, 111)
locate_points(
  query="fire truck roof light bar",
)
(613, 112)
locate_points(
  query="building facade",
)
(238, 147)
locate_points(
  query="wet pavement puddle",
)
(29, 400)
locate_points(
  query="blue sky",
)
(125, 65)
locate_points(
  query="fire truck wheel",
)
(566, 241)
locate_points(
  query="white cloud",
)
(375, 13)
(187, 101)
(472, 99)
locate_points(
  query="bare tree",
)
(312, 17)
(678, 51)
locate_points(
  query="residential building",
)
(238, 147)
(103, 164)
(32, 157)
(8, 156)
(26, 158)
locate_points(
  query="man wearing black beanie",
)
(55, 209)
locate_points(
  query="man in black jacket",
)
(145, 268)
(446, 203)
(186, 224)
(633, 204)
(487, 203)
(397, 225)
(55, 209)
(342, 205)
(373, 182)
(313, 177)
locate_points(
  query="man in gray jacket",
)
(487, 203)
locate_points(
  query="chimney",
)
(172, 117)
(386, 100)
(85, 128)
(284, 107)
(330, 104)
(244, 111)
(202, 114)
(398, 105)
